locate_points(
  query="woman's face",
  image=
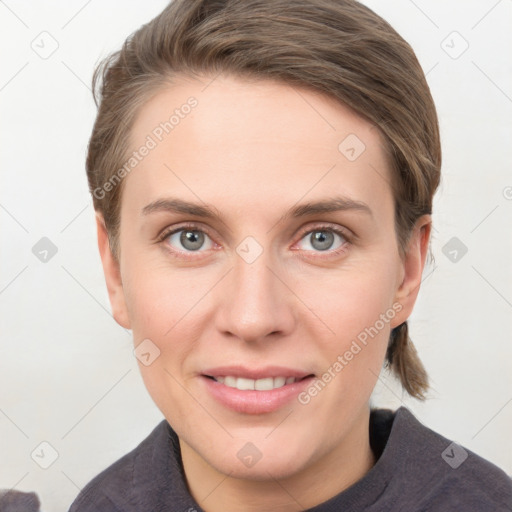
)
(259, 269)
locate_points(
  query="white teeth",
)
(279, 382)
(266, 384)
(244, 384)
(230, 381)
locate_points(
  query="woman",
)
(263, 175)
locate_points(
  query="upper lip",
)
(255, 373)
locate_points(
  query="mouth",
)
(255, 391)
(264, 384)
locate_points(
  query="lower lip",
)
(255, 402)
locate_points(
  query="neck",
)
(331, 474)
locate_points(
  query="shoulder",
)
(444, 475)
(118, 488)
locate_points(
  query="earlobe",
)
(111, 270)
(413, 265)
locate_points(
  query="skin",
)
(253, 150)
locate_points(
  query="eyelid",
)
(184, 254)
(318, 226)
(326, 226)
(192, 226)
(330, 254)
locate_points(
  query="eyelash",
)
(330, 253)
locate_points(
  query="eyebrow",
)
(326, 206)
(311, 208)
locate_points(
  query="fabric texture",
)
(417, 470)
(17, 501)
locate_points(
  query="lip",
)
(251, 401)
(255, 373)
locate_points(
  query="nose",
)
(255, 302)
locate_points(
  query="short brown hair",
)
(337, 47)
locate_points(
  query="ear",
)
(112, 273)
(413, 263)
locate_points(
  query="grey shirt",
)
(417, 470)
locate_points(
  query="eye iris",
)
(192, 240)
(322, 240)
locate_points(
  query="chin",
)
(278, 468)
(260, 459)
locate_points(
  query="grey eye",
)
(321, 240)
(192, 240)
(189, 240)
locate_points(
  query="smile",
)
(266, 384)
(255, 391)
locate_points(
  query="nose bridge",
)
(255, 303)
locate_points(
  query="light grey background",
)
(68, 375)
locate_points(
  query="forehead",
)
(260, 142)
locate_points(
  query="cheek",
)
(165, 307)
(350, 300)
(356, 310)
(159, 299)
